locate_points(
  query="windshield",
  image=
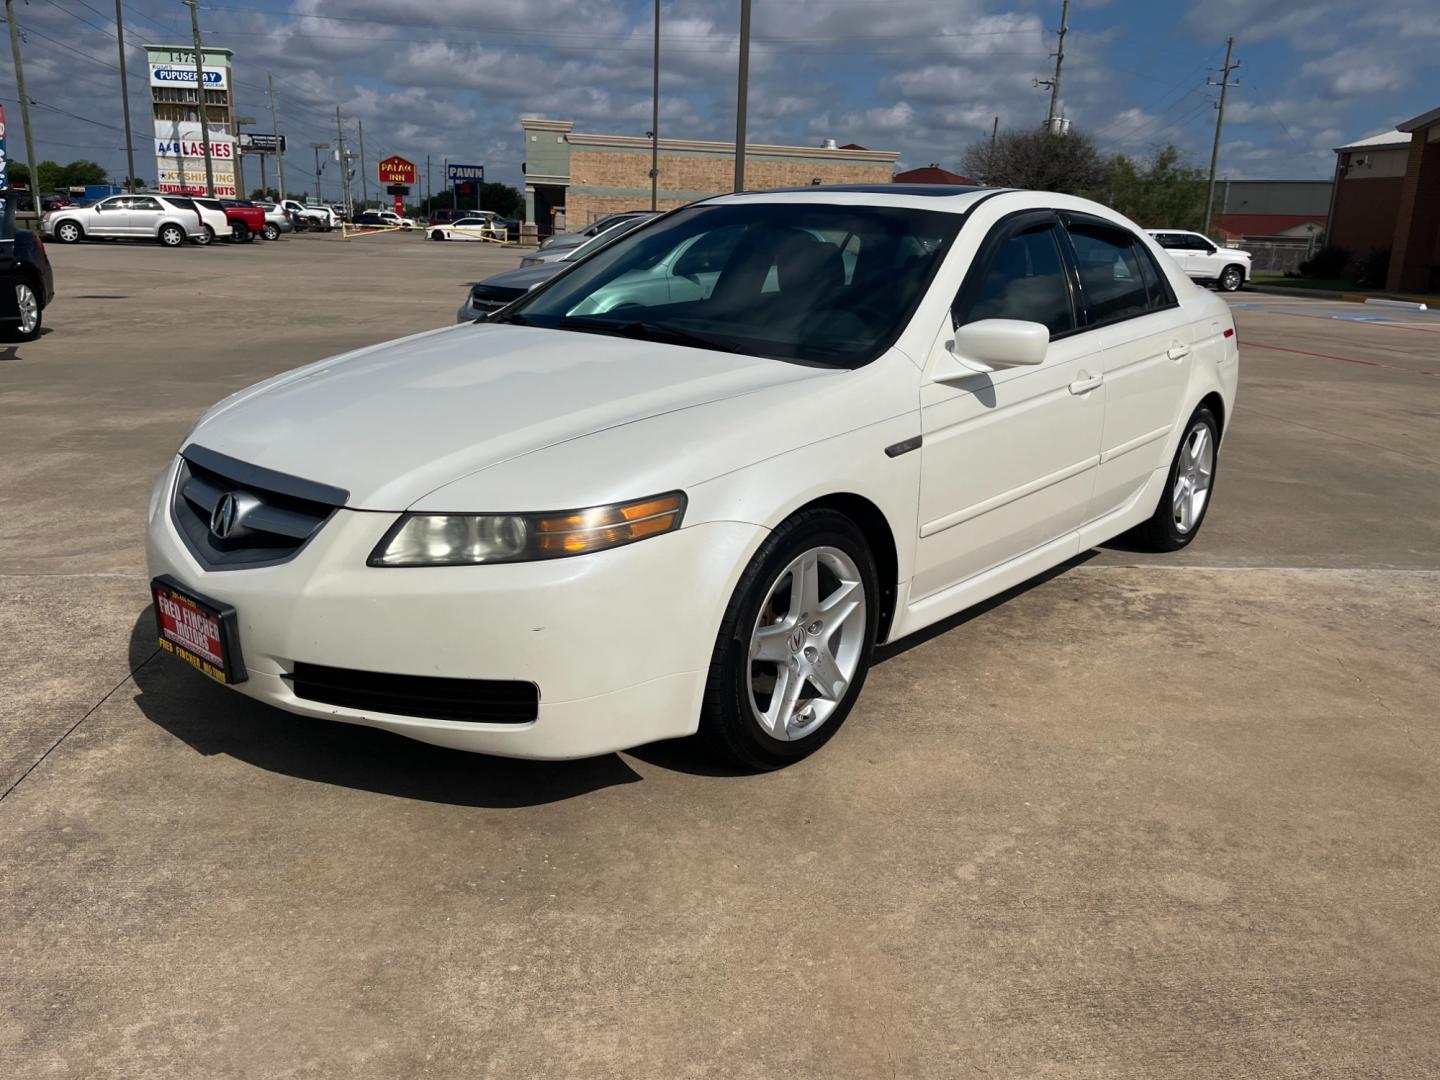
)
(605, 239)
(794, 281)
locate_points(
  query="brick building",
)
(1387, 195)
(588, 176)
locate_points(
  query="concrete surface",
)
(1146, 817)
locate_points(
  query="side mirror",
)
(993, 344)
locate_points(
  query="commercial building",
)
(586, 176)
(1280, 211)
(1387, 196)
(179, 145)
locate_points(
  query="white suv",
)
(1229, 268)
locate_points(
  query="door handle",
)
(1178, 352)
(1086, 383)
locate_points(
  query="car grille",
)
(488, 701)
(492, 297)
(275, 514)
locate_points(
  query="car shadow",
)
(12, 352)
(213, 720)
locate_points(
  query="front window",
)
(810, 282)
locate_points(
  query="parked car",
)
(371, 219)
(569, 529)
(478, 226)
(390, 217)
(217, 222)
(319, 218)
(560, 241)
(170, 219)
(247, 220)
(490, 295)
(277, 221)
(27, 285)
(1203, 260)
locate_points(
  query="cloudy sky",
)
(925, 77)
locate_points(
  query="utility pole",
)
(364, 180)
(343, 160)
(1224, 85)
(201, 107)
(742, 95)
(654, 117)
(994, 133)
(1054, 83)
(317, 147)
(24, 103)
(238, 121)
(429, 191)
(275, 123)
(125, 99)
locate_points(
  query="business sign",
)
(396, 170)
(464, 174)
(259, 142)
(193, 148)
(216, 78)
(4, 163)
(191, 179)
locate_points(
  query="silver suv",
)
(127, 217)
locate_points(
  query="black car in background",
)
(26, 283)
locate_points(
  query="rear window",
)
(1109, 272)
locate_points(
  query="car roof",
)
(952, 198)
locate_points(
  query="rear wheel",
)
(68, 232)
(172, 236)
(271, 231)
(206, 235)
(27, 303)
(795, 644)
(1186, 496)
(1231, 278)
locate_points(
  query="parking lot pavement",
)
(1144, 817)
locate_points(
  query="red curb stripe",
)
(1342, 359)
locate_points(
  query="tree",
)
(501, 198)
(1037, 160)
(268, 194)
(55, 177)
(1163, 192)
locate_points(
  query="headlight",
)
(471, 539)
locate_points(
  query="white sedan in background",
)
(475, 227)
(1203, 260)
(572, 528)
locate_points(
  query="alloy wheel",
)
(29, 306)
(1192, 477)
(1230, 280)
(807, 643)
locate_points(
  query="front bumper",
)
(618, 642)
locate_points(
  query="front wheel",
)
(1231, 278)
(795, 644)
(67, 232)
(241, 233)
(1186, 497)
(27, 304)
(271, 231)
(437, 235)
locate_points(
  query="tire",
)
(437, 235)
(766, 646)
(69, 232)
(172, 236)
(1231, 278)
(207, 235)
(32, 312)
(1178, 516)
(240, 233)
(271, 231)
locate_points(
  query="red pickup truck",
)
(246, 219)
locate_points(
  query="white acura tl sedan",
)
(613, 513)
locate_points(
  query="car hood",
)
(526, 276)
(393, 422)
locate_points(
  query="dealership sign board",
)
(216, 78)
(396, 170)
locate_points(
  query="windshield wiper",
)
(515, 318)
(644, 331)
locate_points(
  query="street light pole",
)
(742, 94)
(200, 104)
(317, 147)
(275, 123)
(654, 118)
(364, 180)
(24, 103)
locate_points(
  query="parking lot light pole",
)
(655, 118)
(317, 147)
(125, 99)
(364, 180)
(742, 94)
(200, 105)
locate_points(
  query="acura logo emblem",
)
(225, 516)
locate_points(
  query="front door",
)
(112, 217)
(1009, 456)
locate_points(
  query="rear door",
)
(1146, 358)
(145, 215)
